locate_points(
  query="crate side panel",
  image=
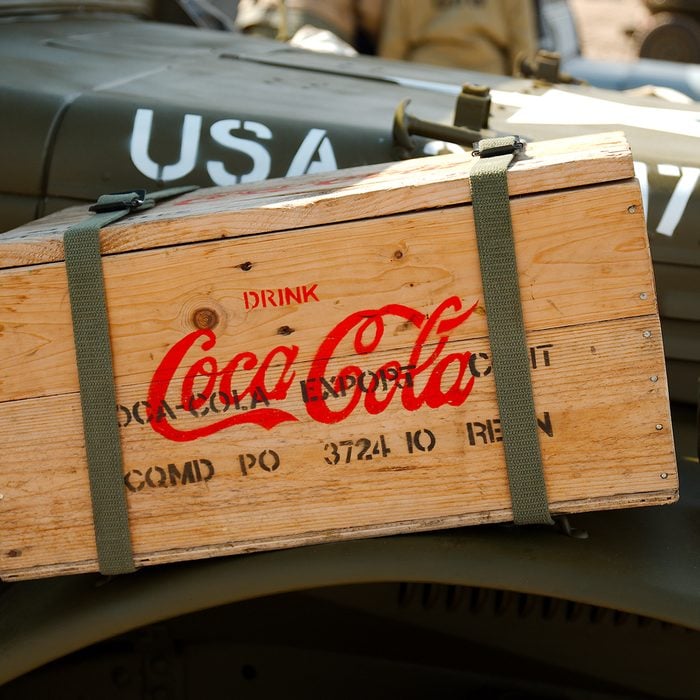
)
(352, 194)
(582, 257)
(408, 455)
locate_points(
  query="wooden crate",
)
(243, 304)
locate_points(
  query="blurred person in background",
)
(483, 35)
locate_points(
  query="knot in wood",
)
(205, 318)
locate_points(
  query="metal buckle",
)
(506, 149)
(116, 201)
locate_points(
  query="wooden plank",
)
(597, 453)
(354, 194)
(598, 269)
(331, 378)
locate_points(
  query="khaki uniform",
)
(345, 18)
(483, 35)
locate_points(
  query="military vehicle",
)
(674, 34)
(101, 99)
(668, 48)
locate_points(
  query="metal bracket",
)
(515, 146)
(545, 68)
(473, 107)
(406, 125)
(117, 201)
(562, 524)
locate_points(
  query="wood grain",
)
(352, 194)
(381, 276)
(594, 269)
(605, 450)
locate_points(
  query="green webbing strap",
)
(511, 365)
(96, 376)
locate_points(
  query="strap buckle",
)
(118, 201)
(499, 147)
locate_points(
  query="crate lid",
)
(312, 200)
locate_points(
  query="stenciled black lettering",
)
(162, 477)
(372, 386)
(304, 393)
(330, 389)
(191, 472)
(545, 424)
(490, 430)
(423, 440)
(197, 413)
(269, 460)
(129, 480)
(540, 354)
(474, 370)
(164, 411)
(206, 464)
(219, 402)
(123, 422)
(476, 430)
(247, 462)
(136, 412)
(258, 396)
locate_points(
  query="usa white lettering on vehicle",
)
(641, 172)
(687, 179)
(189, 145)
(315, 154)
(314, 142)
(678, 201)
(221, 133)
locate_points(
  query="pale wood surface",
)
(605, 451)
(595, 270)
(588, 296)
(352, 194)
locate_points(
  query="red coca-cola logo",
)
(428, 375)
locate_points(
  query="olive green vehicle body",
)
(219, 108)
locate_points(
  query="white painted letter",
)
(680, 197)
(641, 172)
(221, 133)
(314, 142)
(189, 144)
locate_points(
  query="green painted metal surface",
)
(98, 104)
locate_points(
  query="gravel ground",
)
(602, 25)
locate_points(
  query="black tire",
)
(672, 38)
